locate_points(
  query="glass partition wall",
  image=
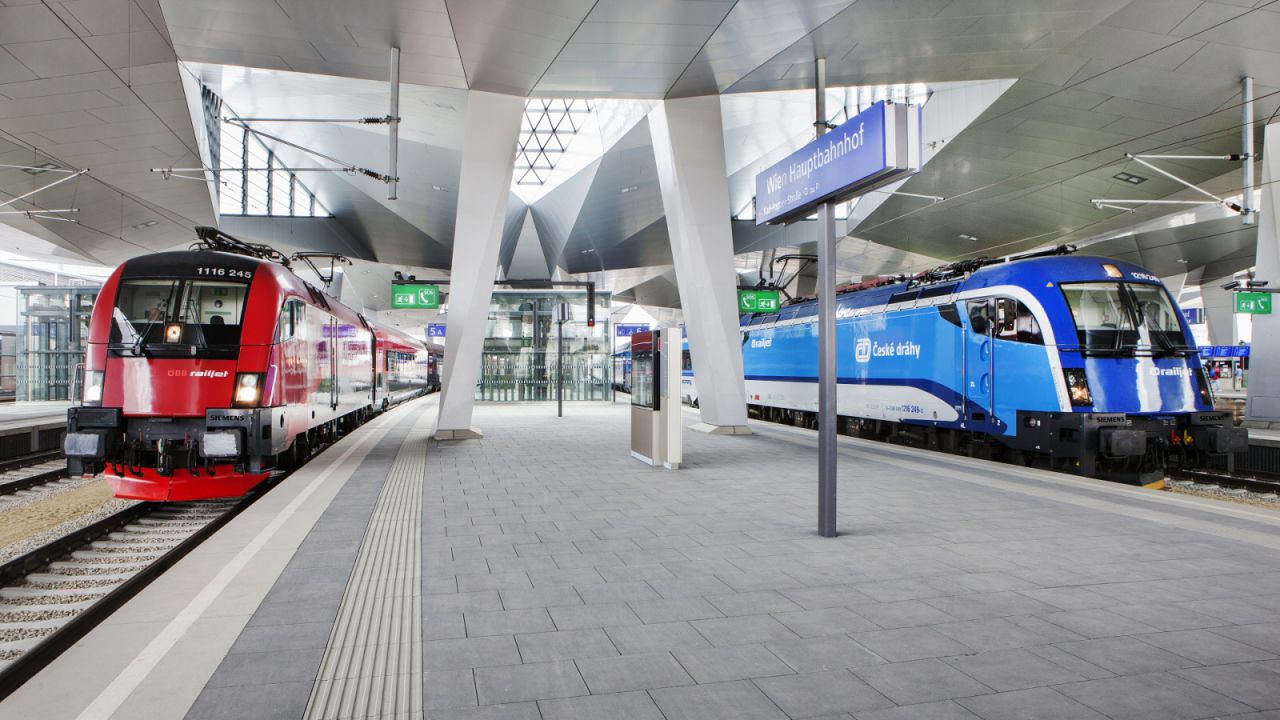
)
(521, 348)
(52, 332)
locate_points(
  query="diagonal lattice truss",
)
(549, 125)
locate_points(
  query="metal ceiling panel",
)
(614, 25)
(752, 33)
(506, 46)
(100, 90)
(328, 37)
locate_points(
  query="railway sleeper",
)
(20, 592)
(58, 578)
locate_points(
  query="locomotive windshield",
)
(1124, 318)
(208, 312)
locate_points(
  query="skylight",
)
(545, 133)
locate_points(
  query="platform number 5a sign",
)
(1253, 303)
(751, 301)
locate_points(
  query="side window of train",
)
(284, 326)
(978, 316)
(292, 319)
(1016, 323)
(950, 313)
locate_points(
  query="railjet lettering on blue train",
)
(867, 348)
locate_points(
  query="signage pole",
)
(560, 314)
(1246, 122)
(393, 119)
(826, 335)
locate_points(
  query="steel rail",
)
(13, 486)
(24, 667)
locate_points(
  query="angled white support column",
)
(688, 145)
(1219, 311)
(488, 151)
(1264, 356)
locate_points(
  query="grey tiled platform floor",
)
(565, 580)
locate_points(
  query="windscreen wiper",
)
(128, 336)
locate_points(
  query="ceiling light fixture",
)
(970, 238)
(440, 188)
(1129, 178)
(41, 168)
(145, 225)
(630, 188)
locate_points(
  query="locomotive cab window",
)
(1124, 318)
(1016, 323)
(217, 306)
(201, 313)
(144, 303)
(979, 316)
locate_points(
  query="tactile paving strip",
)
(372, 667)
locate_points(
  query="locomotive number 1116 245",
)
(225, 272)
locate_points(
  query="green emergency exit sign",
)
(1253, 303)
(415, 297)
(750, 301)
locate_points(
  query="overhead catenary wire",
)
(42, 188)
(355, 169)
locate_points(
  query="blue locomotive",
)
(1082, 364)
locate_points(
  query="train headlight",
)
(1202, 381)
(1077, 387)
(173, 333)
(248, 389)
(93, 381)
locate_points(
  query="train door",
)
(334, 344)
(979, 363)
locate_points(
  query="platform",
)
(27, 427)
(543, 573)
(26, 414)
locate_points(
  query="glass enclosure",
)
(52, 331)
(8, 366)
(521, 348)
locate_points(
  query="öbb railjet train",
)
(1081, 364)
(206, 370)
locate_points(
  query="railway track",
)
(52, 596)
(1259, 485)
(24, 461)
(32, 476)
(32, 470)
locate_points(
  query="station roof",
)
(1072, 86)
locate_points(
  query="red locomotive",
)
(207, 369)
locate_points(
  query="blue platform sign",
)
(1194, 316)
(1206, 352)
(625, 330)
(435, 330)
(877, 146)
(1240, 351)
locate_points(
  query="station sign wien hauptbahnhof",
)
(878, 146)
